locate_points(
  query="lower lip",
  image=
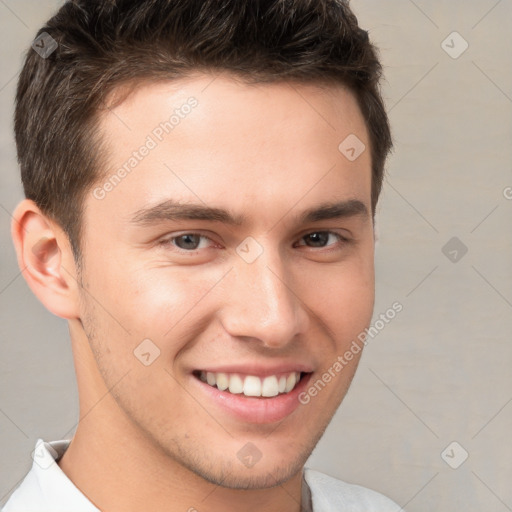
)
(253, 409)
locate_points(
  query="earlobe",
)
(45, 259)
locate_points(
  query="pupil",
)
(189, 240)
(319, 239)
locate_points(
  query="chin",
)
(233, 472)
(262, 477)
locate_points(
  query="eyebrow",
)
(170, 210)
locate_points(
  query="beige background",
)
(439, 372)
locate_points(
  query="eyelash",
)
(169, 241)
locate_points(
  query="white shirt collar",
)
(46, 487)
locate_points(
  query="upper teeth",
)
(251, 385)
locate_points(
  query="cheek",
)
(342, 296)
(154, 302)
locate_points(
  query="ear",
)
(46, 260)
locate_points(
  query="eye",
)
(187, 242)
(193, 242)
(320, 238)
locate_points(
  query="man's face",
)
(248, 303)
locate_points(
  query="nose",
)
(262, 303)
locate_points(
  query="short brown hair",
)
(102, 44)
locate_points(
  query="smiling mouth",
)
(251, 385)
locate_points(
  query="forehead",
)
(215, 138)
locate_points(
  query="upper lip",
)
(258, 370)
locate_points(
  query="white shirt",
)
(46, 488)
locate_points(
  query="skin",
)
(268, 152)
